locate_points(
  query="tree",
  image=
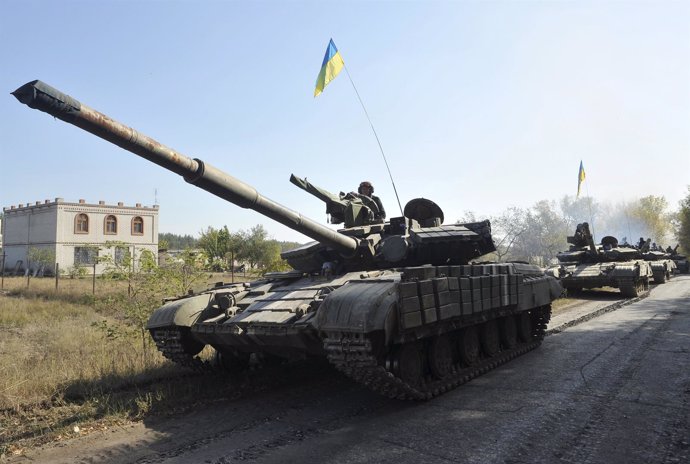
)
(506, 229)
(683, 221)
(651, 211)
(176, 242)
(41, 257)
(216, 244)
(544, 234)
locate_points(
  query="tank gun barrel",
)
(41, 96)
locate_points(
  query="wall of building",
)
(28, 226)
(52, 225)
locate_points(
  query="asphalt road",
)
(613, 389)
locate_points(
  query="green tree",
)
(41, 257)
(148, 285)
(651, 211)
(683, 221)
(177, 242)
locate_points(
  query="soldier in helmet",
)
(365, 188)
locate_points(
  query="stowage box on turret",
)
(394, 305)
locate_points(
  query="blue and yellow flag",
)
(580, 178)
(331, 66)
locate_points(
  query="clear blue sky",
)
(478, 105)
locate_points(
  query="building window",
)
(85, 255)
(81, 224)
(121, 255)
(110, 225)
(137, 226)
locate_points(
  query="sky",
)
(479, 106)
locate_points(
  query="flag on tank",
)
(332, 64)
(580, 178)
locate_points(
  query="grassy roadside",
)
(61, 375)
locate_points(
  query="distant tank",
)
(586, 265)
(663, 266)
(394, 305)
(681, 261)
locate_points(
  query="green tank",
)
(394, 305)
(608, 264)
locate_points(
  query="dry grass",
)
(57, 370)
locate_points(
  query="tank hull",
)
(630, 277)
(379, 314)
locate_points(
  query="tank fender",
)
(360, 306)
(183, 312)
(555, 287)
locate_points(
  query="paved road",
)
(614, 389)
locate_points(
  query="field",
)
(69, 366)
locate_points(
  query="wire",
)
(377, 139)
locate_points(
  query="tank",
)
(661, 262)
(681, 261)
(395, 305)
(587, 265)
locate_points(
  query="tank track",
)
(170, 342)
(352, 354)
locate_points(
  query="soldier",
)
(365, 188)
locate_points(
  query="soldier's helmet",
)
(365, 187)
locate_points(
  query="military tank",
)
(681, 261)
(587, 265)
(394, 305)
(661, 262)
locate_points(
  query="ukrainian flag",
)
(331, 66)
(580, 178)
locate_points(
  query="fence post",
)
(93, 290)
(2, 271)
(28, 272)
(57, 275)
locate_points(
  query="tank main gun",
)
(43, 97)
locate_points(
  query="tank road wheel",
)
(468, 346)
(660, 277)
(490, 338)
(508, 329)
(632, 288)
(409, 364)
(441, 356)
(524, 328)
(232, 362)
(190, 346)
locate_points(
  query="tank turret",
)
(364, 244)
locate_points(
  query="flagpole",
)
(375, 135)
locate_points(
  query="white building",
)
(77, 234)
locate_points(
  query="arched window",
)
(81, 224)
(110, 227)
(137, 226)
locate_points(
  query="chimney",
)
(38, 203)
(46, 202)
(101, 202)
(82, 201)
(138, 205)
(119, 203)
